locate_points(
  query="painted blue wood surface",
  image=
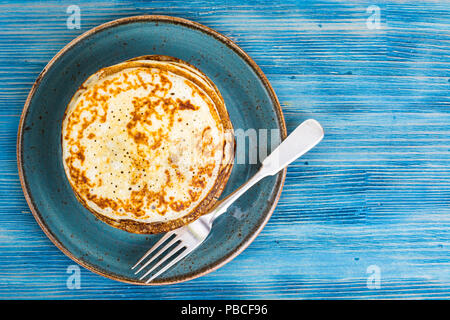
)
(375, 192)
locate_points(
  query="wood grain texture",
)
(376, 191)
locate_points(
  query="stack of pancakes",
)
(147, 144)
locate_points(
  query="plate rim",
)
(193, 25)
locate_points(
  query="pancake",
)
(147, 144)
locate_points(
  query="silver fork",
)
(186, 239)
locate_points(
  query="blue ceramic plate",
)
(95, 245)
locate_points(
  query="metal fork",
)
(186, 239)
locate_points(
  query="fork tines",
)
(179, 248)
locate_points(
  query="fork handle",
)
(222, 205)
(301, 140)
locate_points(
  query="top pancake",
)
(147, 144)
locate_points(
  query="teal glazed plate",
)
(103, 249)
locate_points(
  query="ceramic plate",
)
(93, 244)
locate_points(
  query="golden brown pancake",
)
(147, 144)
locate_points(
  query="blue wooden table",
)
(366, 214)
